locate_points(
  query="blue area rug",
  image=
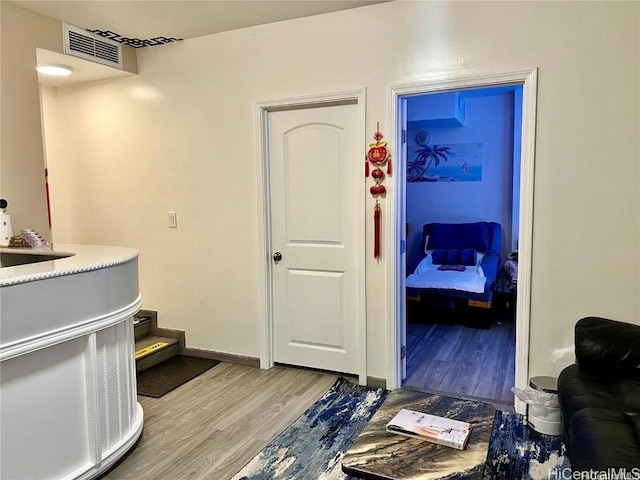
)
(516, 452)
(312, 447)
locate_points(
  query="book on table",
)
(440, 430)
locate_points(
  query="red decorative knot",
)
(377, 173)
(378, 136)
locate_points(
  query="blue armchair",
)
(483, 237)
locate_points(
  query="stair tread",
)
(151, 339)
(141, 320)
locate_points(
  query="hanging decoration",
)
(378, 155)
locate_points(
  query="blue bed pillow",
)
(439, 257)
(453, 257)
(468, 257)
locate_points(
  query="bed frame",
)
(462, 236)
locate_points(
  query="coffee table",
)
(379, 455)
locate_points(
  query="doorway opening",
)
(462, 151)
(514, 217)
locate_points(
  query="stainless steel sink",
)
(12, 259)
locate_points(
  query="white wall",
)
(22, 162)
(22, 176)
(180, 136)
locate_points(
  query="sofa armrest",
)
(490, 265)
(627, 393)
(604, 345)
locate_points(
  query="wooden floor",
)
(464, 358)
(213, 425)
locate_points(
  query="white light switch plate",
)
(173, 220)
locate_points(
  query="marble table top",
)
(379, 455)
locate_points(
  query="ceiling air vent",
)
(83, 44)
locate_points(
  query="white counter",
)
(68, 406)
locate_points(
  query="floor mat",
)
(170, 374)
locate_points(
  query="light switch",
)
(173, 220)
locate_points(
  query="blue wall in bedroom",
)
(492, 117)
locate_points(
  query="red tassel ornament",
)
(377, 214)
(366, 168)
(378, 155)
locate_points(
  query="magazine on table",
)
(440, 430)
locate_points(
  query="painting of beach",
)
(455, 162)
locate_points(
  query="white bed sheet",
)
(427, 275)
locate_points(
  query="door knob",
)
(277, 257)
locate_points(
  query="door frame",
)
(265, 265)
(394, 231)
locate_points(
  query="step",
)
(141, 326)
(154, 349)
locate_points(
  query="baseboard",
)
(373, 382)
(221, 356)
(192, 351)
(376, 382)
(170, 333)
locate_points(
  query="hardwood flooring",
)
(213, 425)
(463, 359)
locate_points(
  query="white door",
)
(314, 170)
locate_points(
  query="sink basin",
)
(12, 259)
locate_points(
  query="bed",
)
(460, 261)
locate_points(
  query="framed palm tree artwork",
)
(459, 162)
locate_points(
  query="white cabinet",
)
(68, 400)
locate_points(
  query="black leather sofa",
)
(600, 397)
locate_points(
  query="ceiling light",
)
(57, 70)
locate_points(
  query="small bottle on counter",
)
(5, 224)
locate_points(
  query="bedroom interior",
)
(463, 156)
